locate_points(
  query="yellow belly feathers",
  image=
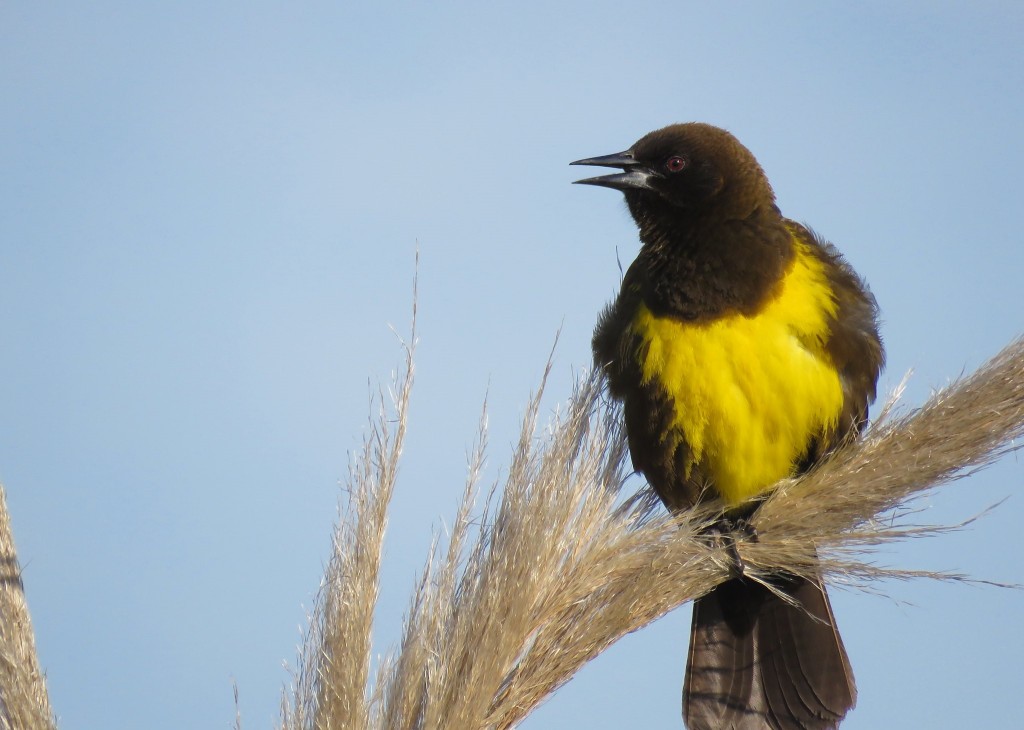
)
(750, 392)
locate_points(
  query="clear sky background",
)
(208, 219)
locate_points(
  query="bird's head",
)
(686, 171)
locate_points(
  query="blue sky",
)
(208, 219)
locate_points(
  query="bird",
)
(744, 349)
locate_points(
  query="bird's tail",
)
(757, 661)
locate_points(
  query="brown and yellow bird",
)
(743, 348)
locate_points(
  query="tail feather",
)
(758, 662)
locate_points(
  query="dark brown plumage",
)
(743, 348)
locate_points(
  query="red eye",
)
(675, 163)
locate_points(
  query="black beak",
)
(635, 176)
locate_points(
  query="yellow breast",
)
(750, 392)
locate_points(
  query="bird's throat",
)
(695, 273)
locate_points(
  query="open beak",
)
(634, 176)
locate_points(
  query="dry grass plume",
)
(561, 564)
(24, 704)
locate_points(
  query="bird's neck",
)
(704, 267)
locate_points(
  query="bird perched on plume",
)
(743, 348)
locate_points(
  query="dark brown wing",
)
(655, 447)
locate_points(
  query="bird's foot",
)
(729, 529)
